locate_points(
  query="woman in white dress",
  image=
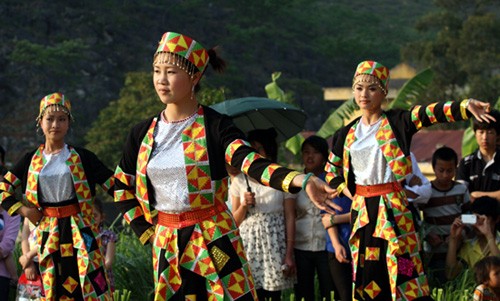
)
(266, 232)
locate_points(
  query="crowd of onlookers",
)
(456, 216)
(290, 243)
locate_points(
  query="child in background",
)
(108, 241)
(448, 200)
(487, 272)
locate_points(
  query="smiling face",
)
(172, 84)
(367, 93)
(54, 124)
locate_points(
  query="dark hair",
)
(446, 154)
(217, 63)
(268, 140)
(98, 205)
(485, 205)
(483, 267)
(318, 144)
(479, 125)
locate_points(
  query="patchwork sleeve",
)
(102, 174)
(13, 180)
(124, 191)
(334, 166)
(439, 112)
(240, 154)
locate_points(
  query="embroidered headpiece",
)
(183, 52)
(374, 69)
(59, 101)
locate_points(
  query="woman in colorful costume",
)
(58, 181)
(369, 160)
(172, 182)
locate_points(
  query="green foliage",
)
(413, 90)
(462, 46)
(108, 133)
(336, 120)
(133, 267)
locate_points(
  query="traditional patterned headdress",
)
(183, 52)
(374, 69)
(59, 101)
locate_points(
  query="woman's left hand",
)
(319, 193)
(480, 110)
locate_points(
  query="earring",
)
(39, 131)
(192, 92)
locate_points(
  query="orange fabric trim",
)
(61, 212)
(374, 190)
(189, 218)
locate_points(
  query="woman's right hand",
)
(249, 199)
(456, 228)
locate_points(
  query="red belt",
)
(61, 212)
(379, 189)
(188, 218)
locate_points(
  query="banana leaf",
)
(412, 90)
(336, 120)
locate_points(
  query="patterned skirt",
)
(204, 261)
(71, 261)
(385, 250)
(263, 235)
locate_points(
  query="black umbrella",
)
(250, 113)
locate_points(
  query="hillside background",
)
(85, 49)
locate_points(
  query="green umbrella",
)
(250, 113)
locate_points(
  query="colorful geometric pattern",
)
(185, 47)
(55, 99)
(202, 260)
(233, 147)
(88, 259)
(8, 186)
(141, 187)
(200, 185)
(372, 289)
(376, 69)
(399, 163)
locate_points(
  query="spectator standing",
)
(311, 257)
(480, 171)
(9, 229)
(266, 221)
(448, 201)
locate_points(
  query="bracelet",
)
(332, 219)
(463, 108)
(306, 178)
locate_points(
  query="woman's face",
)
(367, 93)
(312, 158)
(54, 124)
(172, 84)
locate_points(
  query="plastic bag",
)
(29, 290)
